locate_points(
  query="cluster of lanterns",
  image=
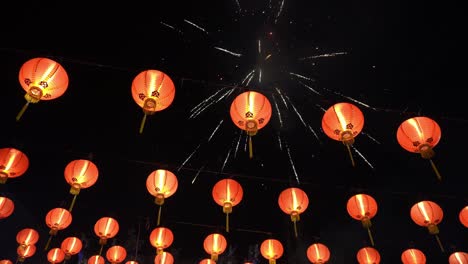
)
(250, 111)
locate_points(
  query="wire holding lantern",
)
(293, 201)
(161, 184)
(80, 174)
(250, 111)
(227, 193)
(363, 207)
(42, 79)
(420, 135)
(153, 91)
(428, 214)
(343, 122)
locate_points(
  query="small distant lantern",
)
(96, 259)
(105, 228)
(25, 252)
(116, 254)
(413, 256)
(363, 207)
(215, 244)
(161, 184)
(71, 246)
(164, 258)
(318, 253)
(458, 258)
(80, 174)
(463, 216)
(6, 207)
(271, 249)
(368, 255)
(428, 214)
(227, 193)
(293, 201)
(57, 219)
(27, 236)
(55, 255)
(161, 238)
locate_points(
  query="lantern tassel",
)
(159, 216)
(21, 112)
(272, 261)
(142, 125)
(227, 222)
(48, 243)
(250, 147)
(295, 228)
(370, 236)
(439, 177)
(73, 202)
(350, 154)
(100, 250)
(440, 243)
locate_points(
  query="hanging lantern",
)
(42, 79)
(13, 163)
(55, 255)
(458, 258)
(6, 207)
(164, 258)
(161, 238)
(116, 254)
(215, 244)
(71, 246)
(368, 255)
(413, 256)
(463, 216)
(428, 214)
(80, 174)
(57, 219)
(250, 111)
(363, 207)
(420, 135)
(25, 252)
(343, 122)
(153, 91)
(105, 228)
(293, 201)
(227, 193)
(27, 236)
(6, 261)
(96, 259)
(318, 253)
(272, 250)
(131, 262)
(161, 184)
(204, 261)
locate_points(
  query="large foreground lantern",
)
(250, 111)
(318, 253)
(80, 174)
(161, 238)
(428, 214)
(293, 201)
(42, 79)
(271, 249)
(368, 255)
(161, 184)
(6, 207)
(343, 122)
(463, 216)
(458, 258)
(13, 163)
(227, 193)
(153, 91)
(363, 207)
(413, 256)
(215, 244)
(420, 135)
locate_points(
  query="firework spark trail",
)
(216, 129)
(226, 159)
(310, 88)
(334, 54)
(237, 145)
(226, 94)
(204, 104)
(248, 76)
(279, 142)
(279, 12)
(292, 165)
(362, 156)
(275, 103)
(259, 75)
(282, 97)
(321, 108)
(188, 158)
(228, 52)
(195, 25)
(369, 136)
(238, 6)
(315, 134)
(167, 25)
(259, 47)
(250, 79)
(297, 112)
(198, 173)
(302, 76)
(352, 99)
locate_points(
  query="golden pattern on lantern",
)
(214, 244)
(6, 207)
(164, 258)
(293, 201)
(161, 184)
(42, 79)
(55, 255)
(116, 254)
(363, 207)
(227, 193)
(80, 174)
(413, 256)
(161, 238)
(368, 255)
(428, 214)
(271, 249)
(318, 253)
(13, 163)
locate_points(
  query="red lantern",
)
(343, 122)
(428, 214)
(25, 251)
(71, 246)
(463, 216)
(116, 254)
(368, 255)
(458, 258)
(105, 228)
(96, 259)
(363, 207)
(227, 193)
(272, 250)
(57, 219)
(207, 261)
(413, 256)
(420, 135)
(153, 91)
(42, 79)
(13, 163)
(318, 253)
(161, 184)
(80, 174)
(6, 207)
(161, 238)
(293, 201)
(6, 261)
(27, 236)
(131, 262)
(55, 255)
(215, 244)
(164, 258)
(250, 111)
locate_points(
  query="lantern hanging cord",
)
(21, 112)
(439, 177)
(350, 154)
(142, 125)
(440, 243)
(73, 203)
(250, 147)
(227, 222)
(295, 228)
(370, 236)
(100, 250)
(48, 243)
(159, 216)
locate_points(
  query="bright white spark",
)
(259, 75)
(279, 142)
(315, 134)
(369, 136)
(357, 101)
(279, 12)
(238, 6)
(259, 46)
(248, 76)
(297, 112)
(334, 54)
(167, 25)
(188, 158)
(195, 25)
(198, 173)
(362, 156)
(237, 145)
(321, 108)
(225, 95)
(228, 52)
(302, 76)
(282, 97)
(275, 103)
(310, 88)
(216, 129)
(226, 159)
(250, 79)
(204, 104)
(292, 165)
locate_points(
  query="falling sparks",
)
(248, 76)
(198, 173)
(275, 103)
(310, 88)
(228, 52)
(279, 142)
(259, 46)
(292, 165)
(226, 159)
(216, 129)
(189, 157)
(195, 25)
(369, 136)
(362, 156)
(237, 145)
(297, 112)
(238, 6)
(334, 54)
(204, 104)
(282, 97)
(279, 11)
(315, 134)
(167, 25)
(301, 76)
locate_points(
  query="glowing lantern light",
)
(458, 258)
(318, 253)
(6, 207)
(57, 219)
(131, 262)
(250, 111)
(413, 256)
(42, 79)
(215, 244)
(227, 193)
(363, 207)
(13, 163)
(161, 184)
(272, 250)
(161, 238)
(153, 91)
(96, 259)
(368, 255)
(343, 122)
(463, 216)
(55, 255)
(25, 252)
(116, 254)
(105, 228)
(164, 258)
(293, 201)
(80, 174)
(428, 214)
(6, 261)
(207, 261)
(71, 246)
(27, 236)
(420, 135)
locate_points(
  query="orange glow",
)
(463, 216)
(105, 228)
(271, 249)
(161, 238)
(458, 258)
(413, 256)
(252, 106)
(96, 259)
(25, 251)
(27, 236)
(368, 255)
(164, 258)
(342, 117)
(207, 261)
(156, 85)
(81, 173)
(55, 255)
(293, 200)
(426, 213)
(71, 245)
(215, 244)
(318, 253)
(116, 254)
(13, 163)
(58, 218)
(360, 206)
(6, 207)
(161, 182)
(227, 191)
(418, 131)
(6, 261)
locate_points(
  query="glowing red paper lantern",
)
(13, 163)
(227, 193)
(6, 207)
(428, 214)
(368, 255)
(215, 244)
(116, 254)
(55, 255)
(271, 249)
(293, 201)
(458, 258)
(318, 253)
(164, 258)
(413, 256)
(161, 238)
(363, 207)
(161, 184)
